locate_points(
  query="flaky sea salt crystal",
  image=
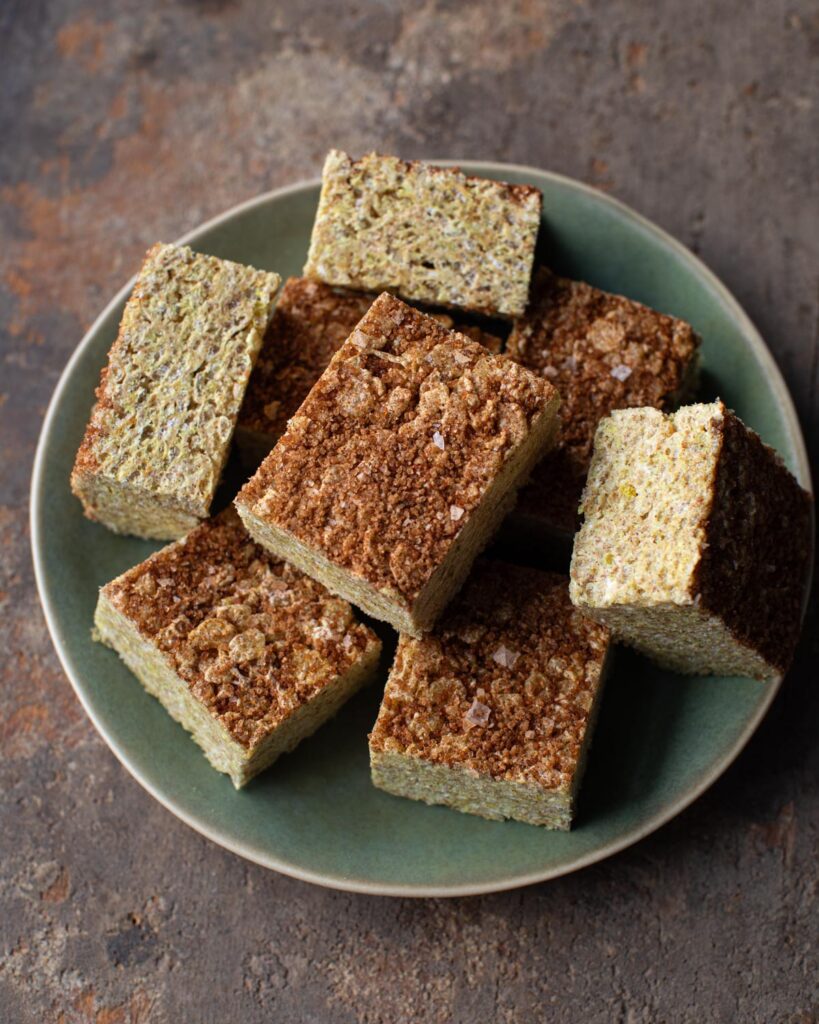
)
(503, 656)
(455, 512)
(347, 642)
(478, 714)
(621, 372)
(550, 372)
(438, 441)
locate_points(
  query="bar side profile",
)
(695, 542)
(429, 234)
(167, 402)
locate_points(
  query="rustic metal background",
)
(126, 122)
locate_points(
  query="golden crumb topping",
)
(252, 637)
(483, 337)
(503, 686)
(309, 325)
(602, 352)
(395, 447)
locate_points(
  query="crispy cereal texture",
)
(429, 234)
(492, 712)
(167, 402)
(400, 464)
(696, 542)
(246, 652)
(310, 322)
(602, 352)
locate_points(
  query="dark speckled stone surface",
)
(124, 123)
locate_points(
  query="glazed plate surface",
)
(661, 740)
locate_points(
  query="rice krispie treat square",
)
(400, 464)
(492, 713)
(167, 402)
(246, 652)
(696, 542)
(429, 234)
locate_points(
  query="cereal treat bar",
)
(168, 400)
(400, 464)
(246, 652)
(493, 712)
(696, 542)
(429, 234)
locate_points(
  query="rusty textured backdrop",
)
(123, 122)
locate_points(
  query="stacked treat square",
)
(388, 443)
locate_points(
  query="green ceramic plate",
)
(662, 739)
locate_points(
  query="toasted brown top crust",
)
(486, 338)
(755, 563)
(503, 686)
(252, 637)
(395, 447)
(168, 399)
(602, 352)
(309, 325)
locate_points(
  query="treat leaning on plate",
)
(400, 464)
(160, 432)
(695, 545)
(247, 653)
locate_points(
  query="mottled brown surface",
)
(123, 124)
(752, 571)
(396, 447)
(601, 352)
(310, 322)
(253, 638)
(502, 688)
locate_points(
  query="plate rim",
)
(352, 884)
